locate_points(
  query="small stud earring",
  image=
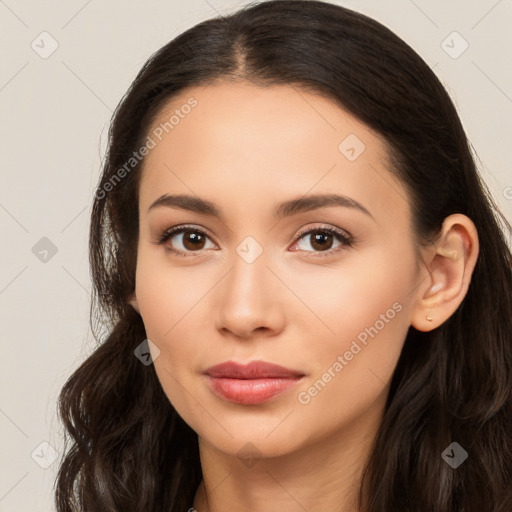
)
(429, 318)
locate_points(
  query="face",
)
(324, 288)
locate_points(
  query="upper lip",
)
(252, 370)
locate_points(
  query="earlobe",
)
(134, 303)
(450, 267)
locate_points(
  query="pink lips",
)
(251, 384)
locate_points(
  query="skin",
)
(246, 149)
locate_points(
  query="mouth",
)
(251, 384)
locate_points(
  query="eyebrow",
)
(284, 209)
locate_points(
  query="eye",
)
(322, 238)
(188, 239)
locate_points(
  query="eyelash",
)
(346, 240)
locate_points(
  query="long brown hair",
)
(129, 450)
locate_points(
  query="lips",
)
(252, 370)
(251, 384)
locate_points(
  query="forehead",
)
(263, 141)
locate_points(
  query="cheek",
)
(174, 315)
(366, 309)
(167, 295)
(166, 300)
(367, 289)
(352, 370)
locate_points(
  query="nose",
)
(250, 300)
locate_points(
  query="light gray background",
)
(55, 113)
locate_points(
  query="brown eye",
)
(193, 240)
(321, 240)
(184, 241)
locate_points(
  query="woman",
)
(307, 288)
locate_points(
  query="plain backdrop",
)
(64, 66)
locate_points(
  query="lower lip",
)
(250, 391)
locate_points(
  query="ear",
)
(450, 264)
(133, 301)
